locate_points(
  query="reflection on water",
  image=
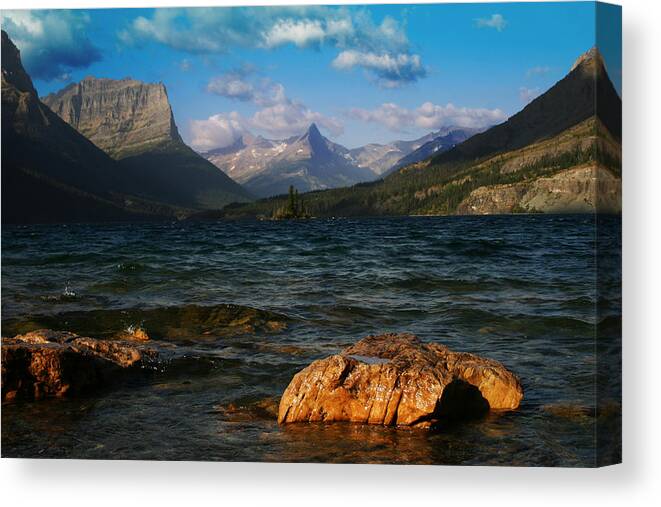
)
(246, 305)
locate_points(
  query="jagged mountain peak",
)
(590, 61)
(313, 129)
(312, 143)
(313, 134)
(309, 161)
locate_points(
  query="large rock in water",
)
(49, 363)
(394, 379)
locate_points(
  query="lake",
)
(520, 289)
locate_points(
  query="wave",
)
(426, 282)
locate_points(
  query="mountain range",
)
(312, 162)
(107, 150)
(385, 158)
(308, 162)
(561, 153)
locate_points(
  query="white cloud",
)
(391, 70)
(428, 116)
(300, 32)
(243, 84)
(213, 30)
(52, 43)
(208, 30)
(278, 122)
(539, 70)
(291, 118)
(218, 131)
(277, 115)
(527, 95)
(390, 115)
(232, 86)
(496, 21)
(185, 65)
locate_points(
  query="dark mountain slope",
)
(570, 101)
(50, 172)
(173, 173)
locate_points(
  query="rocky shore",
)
(46, 363)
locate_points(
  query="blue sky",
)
(362, 73)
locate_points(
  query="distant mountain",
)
(50, 172)
(380, 158)
(309, 162)
(560, 154)
(260, 163)
(439, 143)
(133, 122)
(247, 156)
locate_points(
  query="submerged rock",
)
(185, 323)
(572, 411)
(394, 379)
(48, 363)
(134, 334)
(262, 409)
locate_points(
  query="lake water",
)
(520, 289)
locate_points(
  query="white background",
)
(636, 482)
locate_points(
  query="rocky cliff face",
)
(133, 122)
(122, 117)
(586, 189)
(51, 172)
(578, 187)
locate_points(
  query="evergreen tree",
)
(292, 200)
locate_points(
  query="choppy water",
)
(520, 289)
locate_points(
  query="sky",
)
(363, 74)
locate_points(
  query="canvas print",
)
(340, 234)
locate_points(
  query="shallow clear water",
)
(520, 289)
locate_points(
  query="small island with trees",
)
(293, 209)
